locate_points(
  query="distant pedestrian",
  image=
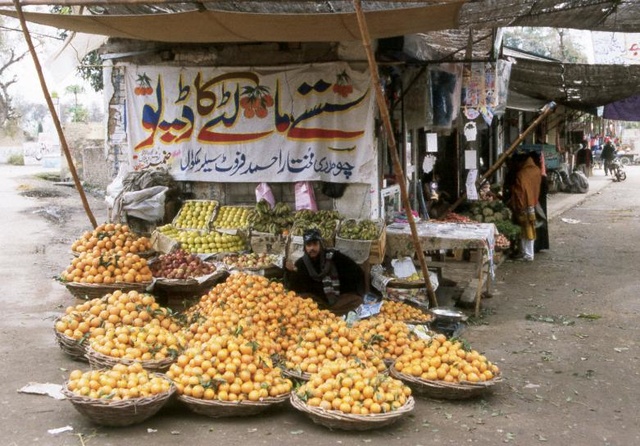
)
(583, 160)
(608, 154)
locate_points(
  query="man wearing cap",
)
(329, 277)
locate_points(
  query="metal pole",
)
(54, 115)
(400, 178)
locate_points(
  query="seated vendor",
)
(329, 277)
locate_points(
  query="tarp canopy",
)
(303, 21)
(227, 26)
(445, 26)
(579, 86)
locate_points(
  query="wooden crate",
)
(264, 242)
(209, 223)
(378, 247)
(163, 244)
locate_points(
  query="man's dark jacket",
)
(350, 275)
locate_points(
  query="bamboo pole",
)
(399, 173)
(546, 110)
(54, 114)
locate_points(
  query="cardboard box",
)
(163, 244)
(266, 243)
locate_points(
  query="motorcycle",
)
(617, 170)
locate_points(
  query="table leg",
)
(489, 277)
(479, 287)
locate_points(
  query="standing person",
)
(329, 277)
(583, 160)
(607, 155)
(542, 230)
(524, 197)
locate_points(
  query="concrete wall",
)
(86, 144)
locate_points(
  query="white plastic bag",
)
(116, 187)
(305, 196)
(264, 192)
(146, 204)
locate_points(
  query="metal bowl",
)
(448, 314)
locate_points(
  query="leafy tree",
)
(91, 70)
(78, 112)
(9, 57)
(554, 43)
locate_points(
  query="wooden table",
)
(437, 236)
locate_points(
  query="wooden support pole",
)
(546, 111)
(397, 167)
(54, 114)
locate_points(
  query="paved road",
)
(569, 380)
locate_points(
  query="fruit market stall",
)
(448, 236)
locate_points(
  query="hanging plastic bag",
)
(116, 187)
(264, 192)
(305, 196)
(146, 204)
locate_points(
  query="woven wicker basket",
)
(445, 390)
(219, 409)
(335, 419)
(76, 349)
(99, 361)
(145, 254)
(188, 287)
(296, 374)
(118, 413)
(88, 291)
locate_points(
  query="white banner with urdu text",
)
(284, 124)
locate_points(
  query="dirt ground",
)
(563, 329)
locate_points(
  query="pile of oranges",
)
(122, 382)
(97, 268)
(252, 305)
(114, 237)
(228, 368)
(401, 311)
(325, 343)
(352, 388)
(148, 343)
(107, 255)
(95, 317)
(386, 336)
(445, 360)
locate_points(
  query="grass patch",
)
(17, 159)
(48, 176)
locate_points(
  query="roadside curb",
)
(560, 202)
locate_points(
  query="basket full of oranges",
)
(102, 319)
(119, 396)
(227, 376)
(346, 395)
(106, 259)
(445, 369)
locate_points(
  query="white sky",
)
(28, 88)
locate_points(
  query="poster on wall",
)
(616, 48)
(284, 124)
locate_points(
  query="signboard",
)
(285, 124)
(551, 156)
(616, 48)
